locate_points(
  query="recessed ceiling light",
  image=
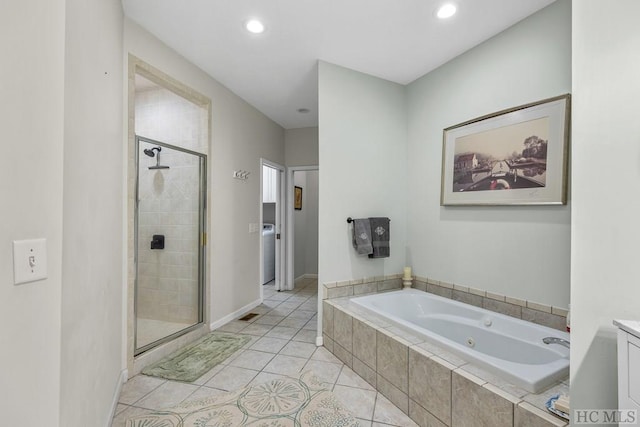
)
(446, 11)
(303, 110)
(254, 26)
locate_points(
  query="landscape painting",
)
(506, 158)
(517, 156)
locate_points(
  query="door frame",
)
(281, 226)
(290, 282)
(202, 231)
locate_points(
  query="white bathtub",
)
(505, 346)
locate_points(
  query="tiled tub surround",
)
(546, 315)
(430, 384)
(366, 285)
(511, 348)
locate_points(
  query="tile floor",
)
(283, 344)
(150, 330)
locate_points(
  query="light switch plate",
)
(29, 260)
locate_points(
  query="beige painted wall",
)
(605, 229)
(363, 157)
(528, 62)
(31, 187)
(301, 146)
(241, 135)
(91, 343)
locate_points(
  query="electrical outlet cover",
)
(29, 260)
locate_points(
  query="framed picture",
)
(522, 152)
(297, 198)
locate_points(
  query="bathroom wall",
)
(169, 205)
(94, 176)
(240, 136)
(301, 146)
(305, 224)
(31, 187)
(310, 204)
(269, 213)
(362, 148)
(605, 228)
(490, 248)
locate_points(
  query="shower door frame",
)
(202, 241)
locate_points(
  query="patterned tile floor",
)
(282, 344)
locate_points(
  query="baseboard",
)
(319, 341)
(305, 276)
(124, 375)
(235, 314)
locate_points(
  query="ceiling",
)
(276, 71)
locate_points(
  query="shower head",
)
(150, 151)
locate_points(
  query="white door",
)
(273, 190)
(278, 199)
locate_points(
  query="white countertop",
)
(630, 326)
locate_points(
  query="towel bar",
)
(350, 220)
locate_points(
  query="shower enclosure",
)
(169, 242)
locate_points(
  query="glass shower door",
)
(169, 224)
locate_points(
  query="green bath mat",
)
(195, 360)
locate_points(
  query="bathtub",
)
(505, 346)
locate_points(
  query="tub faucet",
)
(556, 340)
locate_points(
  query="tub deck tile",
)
(327, 319)
(343, 329)
(423, 417)
(344, 355)
(365, 288)
(502, 307)
(392, 360)
(364, 343)
(539, 400)
(474, 405)
(407, 336)
(495, 380)
(394, 394)
(527, 415)
(439, 290)
(467, 298)
(430, 384)
(546, 319)
(441, 352)
(365, 372)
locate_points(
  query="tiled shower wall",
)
(169, 205)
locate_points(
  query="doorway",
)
(169, 248)
(302, 224)
(171, 120)
(272, 219)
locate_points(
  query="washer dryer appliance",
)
(269, 252)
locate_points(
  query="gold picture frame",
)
(297, 198)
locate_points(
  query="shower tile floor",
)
(150, 330)
(282, 344)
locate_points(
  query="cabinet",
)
(628, 364)
(269, 184)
